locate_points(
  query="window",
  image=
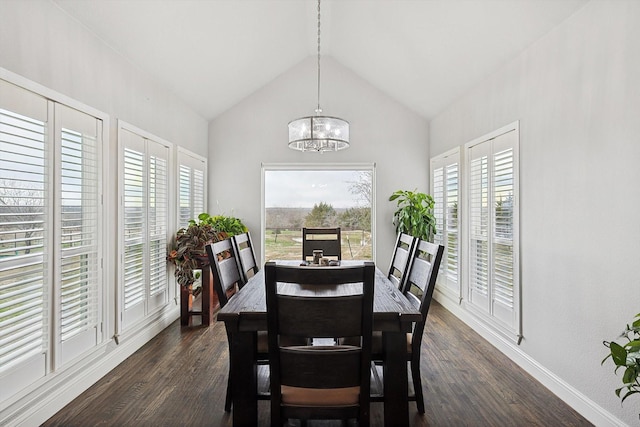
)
(192, 173)
(50, 233)
(493, 278)
(297, 196)
(445, 188)
(145, 222)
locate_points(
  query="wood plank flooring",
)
(180, 377)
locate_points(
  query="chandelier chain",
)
(318, 110)
(318, 133)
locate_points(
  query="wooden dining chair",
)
(320, 382)
(225, 269)
(400, 259)
(418, 287)
(329, 240)
(246, 255)
(227, 279)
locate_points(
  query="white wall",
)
(43, 44)
(255, 132)
(576, 93)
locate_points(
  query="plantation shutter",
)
(478, 220)
(191, 186)
(134, 207)
(493, 270)
(185, 190)
(145, 200)
(78, 262)
(198, 191)
(445, 189)
(452, 181)
(437, 191)
(503, 220)
(158, 219)
(25, 246)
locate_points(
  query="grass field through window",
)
(287, 244)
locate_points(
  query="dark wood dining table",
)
(246, 313)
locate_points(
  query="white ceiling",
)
(423, 53)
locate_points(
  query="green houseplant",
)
(189, 253)
(627, 356)
(414, 214)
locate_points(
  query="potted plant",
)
(414, 215)
(189, 257)
(225, 224)
(189, 253)
(627, 356)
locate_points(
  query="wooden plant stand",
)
(208, 300)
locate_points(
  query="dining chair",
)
(227, 279)
(246, 256)
(320, 382)
(327, 239)
(418, 287)
(400, 258)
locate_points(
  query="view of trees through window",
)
(317, 198)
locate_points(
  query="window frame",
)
(265, 167)
(512, 332)
(151, 305)
(22, 377)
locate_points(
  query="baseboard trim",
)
(571, 396)
(44, 402)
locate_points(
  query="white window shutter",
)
(78, 182)
(493, 229)
(24, 247)
(134, 226)
(192, 171)
(445, 189)
(437, 192)
(503, 228)
(452, 186)
(158, 220)
(185, 211)
(479, 223)
(145, 215)
(198, 195)
(51, 232)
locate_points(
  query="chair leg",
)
(229, 399)
(417, 384)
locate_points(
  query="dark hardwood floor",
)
(180, 377)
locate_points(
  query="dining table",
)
(246, 314)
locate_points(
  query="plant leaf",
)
(629, 394)
(630, 375)
(618, 353)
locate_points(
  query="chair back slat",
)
(305, 316)
(246, 256)
(420, 283)
(327, 239)
(224, 266)
(308, 367)
(400, 259)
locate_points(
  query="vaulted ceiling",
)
(423, 53)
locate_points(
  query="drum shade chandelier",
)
(318, 133)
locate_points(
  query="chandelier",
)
(318, 133)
